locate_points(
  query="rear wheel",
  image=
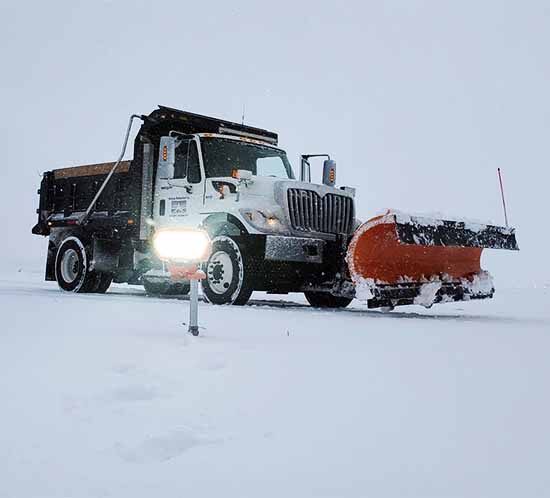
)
(71, 267)
(228, 278)
(103, 282)
(326, 300)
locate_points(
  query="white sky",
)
(418, 101)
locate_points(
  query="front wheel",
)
(326, 300)
(227, 276)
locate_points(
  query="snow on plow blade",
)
(397, 259)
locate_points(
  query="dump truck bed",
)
(66, 193)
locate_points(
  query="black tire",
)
(71, 267)
(326, 300)
(103, 282)
(228, 275)
(165, 288)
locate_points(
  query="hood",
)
(262, 186)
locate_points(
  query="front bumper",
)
(294, 249)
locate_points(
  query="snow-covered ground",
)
(108, 396)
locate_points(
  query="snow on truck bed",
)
(108, 396)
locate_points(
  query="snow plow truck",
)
(269, 231)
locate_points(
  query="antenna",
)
(502, 195)
(242, 121)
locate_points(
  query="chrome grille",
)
(309, 212)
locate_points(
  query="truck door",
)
(181, 196)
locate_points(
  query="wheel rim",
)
(220, 272)
(70, 266)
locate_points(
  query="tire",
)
(165, 288)
(326, 300)
(103, 282)
(228, 275)
(71, 267)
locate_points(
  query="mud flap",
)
(105, 255)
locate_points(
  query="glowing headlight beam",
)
(186, 245)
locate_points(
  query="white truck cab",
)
(209, 173)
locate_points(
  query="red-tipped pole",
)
(502, 195)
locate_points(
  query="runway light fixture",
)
(182, 245)
(184, 249)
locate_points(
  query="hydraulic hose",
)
(86, 215)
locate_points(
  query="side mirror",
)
(167, 158)
(241, 174)
(305, 169)
(244, 174)
(329, 172)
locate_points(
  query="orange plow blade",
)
(397, 259)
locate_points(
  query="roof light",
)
(262, 138)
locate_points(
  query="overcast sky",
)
(418, 101)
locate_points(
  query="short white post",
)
(194, 307)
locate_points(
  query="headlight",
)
(263, 220)
(184, 245)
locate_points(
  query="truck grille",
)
(309, 212)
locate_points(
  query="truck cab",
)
(208, 173)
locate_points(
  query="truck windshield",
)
(221, 156)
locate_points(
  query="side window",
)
(187, 164)
(180, 164)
